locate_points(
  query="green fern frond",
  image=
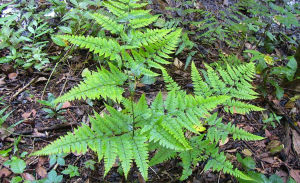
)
(99, 84)
(162, 154)
(241, 134)
(149, 36)
(219, 163)
(142, 22)
(170, 83)
(107, 23)
(140, 154)
(200, 87)
(104, 47)
(72, 142)
(125, 152)
(239, 107)
(117, 8)
(233, 81)
(219, 131)
(187, 160)
(166, 46)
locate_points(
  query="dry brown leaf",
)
(4, 172)
(4, 132)
(41, 171)
(38, 134)
(2, 82)
(12, 76)
(268, 160)
(40, 79)
(26, 115)
(33, 112)
(247, 152)
(178, 63)
(225, 3)
(42, 160)
(231, 150)
(296, 141)
(66, 105)
(267, 133)
(295, 175)
(223, 143)
(28, 176)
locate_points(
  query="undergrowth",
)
(175, 124)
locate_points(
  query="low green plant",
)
(2, 102)
(173, 124)
(52, 177)
(90, 164)
(272, 74)
(3, 117)
(24, 35)
(57, 158)
(249, 165)
(16, 165)
(271, 119)
(53, 109)
(72, 171)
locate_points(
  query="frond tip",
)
(99, 84)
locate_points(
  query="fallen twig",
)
(22, 89)
(55, 127)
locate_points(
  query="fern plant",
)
(133, 47)
(170, 123)
(163, 126)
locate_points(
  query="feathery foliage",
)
(137, 48)
(174, 122)
(126, 134)
(233, 81)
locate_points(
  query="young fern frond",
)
(220, 131)
(98, 84)
(101, 46)
(107, 23)
(174, 124)
(234, 82)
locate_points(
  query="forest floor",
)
(277, 154)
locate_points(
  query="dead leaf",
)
(290, 104)
(231, 150)
(4, 172)
(66, 105)
(6, 68)
(28, 176)
(267, 133)
(275, 146)
(2, 82)
(247, 152)
(223, 143)
(12, 76)
(40, 79)
(268, 160)
(42, 160)
(178, 63)
(33, 112)
(225, 3)
(26, 115)
(248, 46)
(38, 134)
(295, 175)
(41, 171)
(4, 132)
(296, 142)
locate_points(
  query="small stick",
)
(22, 89)
(56, 127)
